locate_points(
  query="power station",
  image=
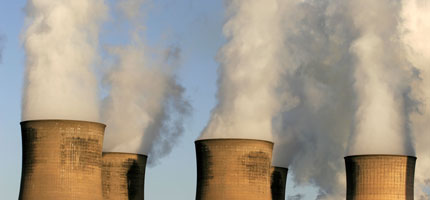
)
(278, 181)
(61, 160)
(233, 169)
(380, 177)
(123, 176)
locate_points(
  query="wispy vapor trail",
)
(145, 107)
(61, 39)
(295, 197)
(1, 47)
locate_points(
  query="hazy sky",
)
(195, 26)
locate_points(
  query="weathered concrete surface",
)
(278, 182)
(123, 176)
(233, 169)
(380, 177)
(61, 160)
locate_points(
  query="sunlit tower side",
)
(233, 169)
(61, 160)
(380, 177)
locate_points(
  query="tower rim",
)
(124, 153)
(374, 155)
(60, 120)
(236, 139)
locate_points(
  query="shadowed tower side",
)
(278, 177)
(380, 177)
(233, 169)
(123, 176)
(61, 160)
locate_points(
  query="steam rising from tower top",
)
(249, 72)
(382, 78)
(60, 41)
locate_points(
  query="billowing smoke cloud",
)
(145, 107)
(328, 78)
(61, 40)
(416, 28)
(311, 136)
(287, 70)
(349, 88)
(249, 73)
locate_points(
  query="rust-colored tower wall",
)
(380, 177)
(233, 169)
(61, 160)
(278, 182)
(123, 176)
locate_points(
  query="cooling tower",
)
(380, 177)
(61, 160)
(123, 176)
(233, 169)
(278, 181)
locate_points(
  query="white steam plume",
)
(416, 27)
(145, 107)
(382, 78)
(61, 41)
(249, 72)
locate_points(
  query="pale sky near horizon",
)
(196, 27)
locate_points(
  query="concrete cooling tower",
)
(61, 160)
(123, 176)
(233, 169)
(380, 177)
(278, 176)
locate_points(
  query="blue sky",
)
(195, 26)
